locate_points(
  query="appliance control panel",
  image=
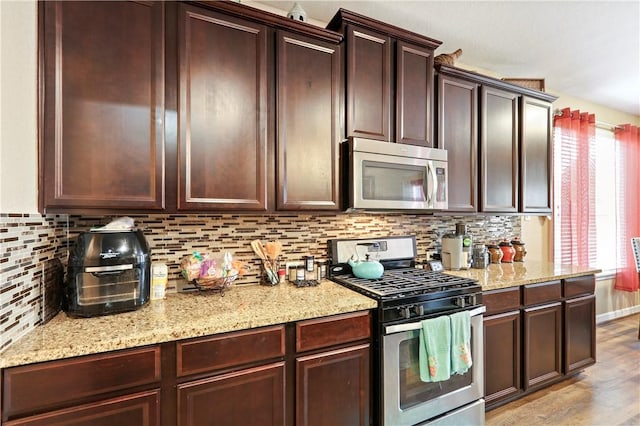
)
(427, 309)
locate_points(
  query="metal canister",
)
(480, 259)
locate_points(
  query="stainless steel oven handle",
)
(390, 329)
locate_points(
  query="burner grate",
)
(409, 281)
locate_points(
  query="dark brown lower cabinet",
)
(537, 334)
(137, 409)
(579, 333)
(312, 372)
(254, 396)
(332, 388)
(502, 339)
(101, 386)
(542, 344)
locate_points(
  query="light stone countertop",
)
(182, 316)
(186, 315)
(503, 275)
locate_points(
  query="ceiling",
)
(585, 49)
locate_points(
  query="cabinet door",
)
(579, 333)
(498, 151)
(414, 94)
(368, 84)
(458, 134)
(332, 388)
(247, 397)
(535, 165)
(142, 409)
(222, 112)
(542, 344)
(103, 105)
(502, 343)
(308, 91)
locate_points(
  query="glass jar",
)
(480, 256)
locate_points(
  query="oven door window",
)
(108, 287)
(393, 182)
(412, 390)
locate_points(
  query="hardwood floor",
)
(607, 393)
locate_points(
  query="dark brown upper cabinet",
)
(389, 70)
(499, 143)
(101, 105)
(368, 84)
(187, 106)
(535, 154)
(308, 125)
(222, 142)
(457, 125)
(498, 150)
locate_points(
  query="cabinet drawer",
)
(228, 350)
(578, 286)
(502, 300)
(32, 388)
(141, 409)
(335, 330)
(533, 294)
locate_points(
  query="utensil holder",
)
(269, 272)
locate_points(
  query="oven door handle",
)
(418, 325)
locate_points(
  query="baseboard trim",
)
(608, 316)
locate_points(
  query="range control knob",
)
(419, 310)
(405, 312)
(460, 302)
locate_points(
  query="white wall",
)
(18, 101)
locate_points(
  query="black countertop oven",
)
(108, 272)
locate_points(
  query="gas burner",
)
(407, 282)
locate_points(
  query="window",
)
(585, 211)
(605, 200)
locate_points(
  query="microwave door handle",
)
(431, 190)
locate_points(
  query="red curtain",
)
(575, 134)
(627, 153)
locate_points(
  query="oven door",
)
(409, 401)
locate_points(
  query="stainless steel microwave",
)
(392, 176)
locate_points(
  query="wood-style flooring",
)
(607, 393)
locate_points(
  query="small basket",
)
(530, 83)
(219, 284)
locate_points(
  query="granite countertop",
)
(503, 275)
(186, 315)
(182, 316)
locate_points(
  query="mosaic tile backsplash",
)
(29, 240)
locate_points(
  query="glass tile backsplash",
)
(30, 239)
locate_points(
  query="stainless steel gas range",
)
(406, 296)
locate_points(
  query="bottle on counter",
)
(467, 242)
(321, 270)
(300, 273)
(159, 280)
